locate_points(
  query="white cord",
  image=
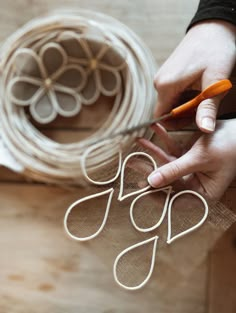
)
(84, 164)
(68, 212)
(154, 239)
(169, 239)
(121, 196)
(167, 206)
(158, 223)
(44, 159)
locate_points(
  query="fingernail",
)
(208, 123)
(155, 179)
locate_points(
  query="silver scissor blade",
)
(132, 129)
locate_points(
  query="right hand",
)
(206, 54)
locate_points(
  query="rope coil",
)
(134, 98)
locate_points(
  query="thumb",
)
(207, 109)
(206, 114)
(166, 174)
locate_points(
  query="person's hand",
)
(205, 55)
(210, 163)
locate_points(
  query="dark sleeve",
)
(215, 9)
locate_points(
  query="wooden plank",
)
(161, 24)
(222, 259)
(222, 278)
(229, 198)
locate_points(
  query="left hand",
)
(208, 167)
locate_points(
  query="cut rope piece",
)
(158, 223)
(191, 229)
(84, 165)
(153, 258)
(121, 196)
(110, 193)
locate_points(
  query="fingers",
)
(171, 146)
(173, 149)
(176, 75)
(193, 182)
(161, 156)
(168, 173)
(169, 90)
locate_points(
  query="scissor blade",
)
(132, 129)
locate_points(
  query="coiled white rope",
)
(49, 161)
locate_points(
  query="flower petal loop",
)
(66, 102)
(43, 111)
(53, 58)
(72, 76)
(90, 93)
(114, 58)
(109, 82)
(26, 62)
(22, 90)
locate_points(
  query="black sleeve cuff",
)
(215, 9)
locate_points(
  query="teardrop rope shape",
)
(154, 239)
(121, 196)
(144, 230)
(84, 170)
(96, 195)
(187, 231)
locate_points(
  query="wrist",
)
(215, 25)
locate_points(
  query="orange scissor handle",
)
(210, 92)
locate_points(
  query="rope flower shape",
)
(102, 63)
(46, 83)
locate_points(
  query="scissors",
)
(211, 91)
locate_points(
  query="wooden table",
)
(41, 270)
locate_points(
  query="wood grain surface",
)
(41, 270)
